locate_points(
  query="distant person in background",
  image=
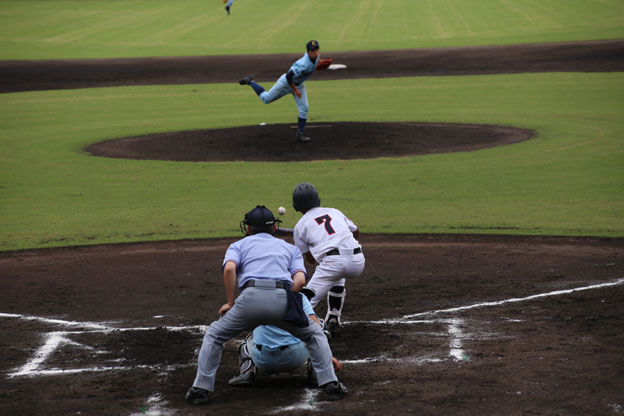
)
(228, 5)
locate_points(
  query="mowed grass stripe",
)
(97, 29)
(567, 181)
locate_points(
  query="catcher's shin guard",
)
(245, 363)
(335, 302)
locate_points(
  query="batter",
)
(327, 238)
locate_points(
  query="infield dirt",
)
(554, 355)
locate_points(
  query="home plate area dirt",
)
(436, 325)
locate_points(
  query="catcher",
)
(292, 82)
(271, 350)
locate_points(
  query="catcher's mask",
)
(305, 197)
(259, 220)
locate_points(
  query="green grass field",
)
(97, 29)
(567, 181)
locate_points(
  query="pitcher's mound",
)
(340, 140)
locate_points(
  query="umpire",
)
(267, 271)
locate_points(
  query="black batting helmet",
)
(259, 220)
(305, 197)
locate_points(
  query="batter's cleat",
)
(302, 138)
(247, 80)
(332, 325)
(334, 390)
(241, 380)
(197, 395)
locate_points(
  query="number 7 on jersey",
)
(325, 219)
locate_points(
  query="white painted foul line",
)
(56, 339)
(408, 319)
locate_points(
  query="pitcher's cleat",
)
(247, 80)
(302, 138)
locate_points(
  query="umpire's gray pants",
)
(260, 306)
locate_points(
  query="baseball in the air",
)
(281, 210)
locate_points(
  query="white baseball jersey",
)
(323, 229)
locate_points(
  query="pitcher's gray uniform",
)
(327, 235)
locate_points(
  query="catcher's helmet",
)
(305, 197)
(259, 220)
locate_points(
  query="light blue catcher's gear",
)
(273, 350)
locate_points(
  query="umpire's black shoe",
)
(302, 138)
(197, 395)
(334, 390)
(247, 80)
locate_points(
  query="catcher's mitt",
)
(323, 64)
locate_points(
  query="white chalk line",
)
(58, 338)
(307, 402)
(406, 319)
(155, 406)
(454, 325)
(402, 360)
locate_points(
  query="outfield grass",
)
(97, 29)
(567, 181)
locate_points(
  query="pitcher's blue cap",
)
(312, 45)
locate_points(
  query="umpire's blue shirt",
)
(262, 256)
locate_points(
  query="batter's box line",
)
(56, 339)
(407, 319)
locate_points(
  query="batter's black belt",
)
(266, 283)
(283, 347)
(336, 252)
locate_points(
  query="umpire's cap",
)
(312, 45)
(305, 197)
(259, 220)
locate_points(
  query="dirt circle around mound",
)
(331, 140)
